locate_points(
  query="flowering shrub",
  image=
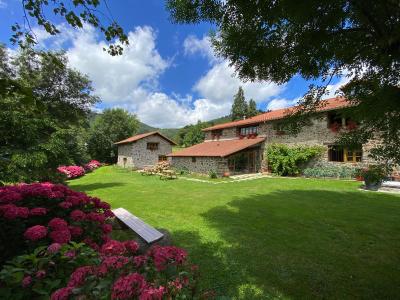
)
(33, 215)
(71, 171)
(92, 165)
(45, 270)
(162, 272)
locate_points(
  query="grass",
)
(272, 237)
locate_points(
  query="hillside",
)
(172, 132)
(168, 132)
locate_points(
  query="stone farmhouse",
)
(239, 147)
(143, 150)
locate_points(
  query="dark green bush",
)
(287, 161)
(212, 174)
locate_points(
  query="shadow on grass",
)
(89, 187)
(303, 245)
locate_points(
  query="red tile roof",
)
(143, 135)
(218, 148)
(325, 105)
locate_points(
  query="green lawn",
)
(272, 237)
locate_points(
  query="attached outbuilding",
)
(143, 150)
(234, 156)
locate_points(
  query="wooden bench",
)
(145, 231)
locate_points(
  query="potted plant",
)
(373, 177)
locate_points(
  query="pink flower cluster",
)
(119, 260)
(72, 171)
(84, 219)
(164, 256)
(92, 165)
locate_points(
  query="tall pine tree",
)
(239, 106)
(252, 109)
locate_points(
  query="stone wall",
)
(202, 165)
(227, 133)
(317, 134)
(137, 155)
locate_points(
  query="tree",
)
(74, 13)
(276, 40)
(43, 127)
(191, 134)
(252, 109)
(239, 106)
(111, 126)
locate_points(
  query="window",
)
(335, 153)
(353, 155)
(340, 154)
(334, 119)
(248, 130)
(162, 158)
(152, 146)
(193, 159)
(216, 134)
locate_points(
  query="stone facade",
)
(203, 165)
(136, 155)
(227, 133)
(317, 134)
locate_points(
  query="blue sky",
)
(168, 75)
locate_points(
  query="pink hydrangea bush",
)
(41, 213)
(71, 171)
(48, 268)
(161, 273)
(92, 165)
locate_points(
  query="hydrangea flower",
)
(35, 233)
(127, 287)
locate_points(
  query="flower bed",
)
(78, 171)
(71, 171)
(59, 246)
(92, 165)
(37, 214)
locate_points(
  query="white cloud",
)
(3, 4)
(281, 103)
(220, 83)
(332, 89)
(193, 45)
(130, 81)
(117, 79)
(170, 112)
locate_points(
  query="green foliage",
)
(252, 109)
(74, 13)
(212, 174)
(374, 174)
(45, 127)
(287, 161)
(113, 125)
(322, 39)
(331, 171)
(239, 106)
(57, 268)
(191, 134)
